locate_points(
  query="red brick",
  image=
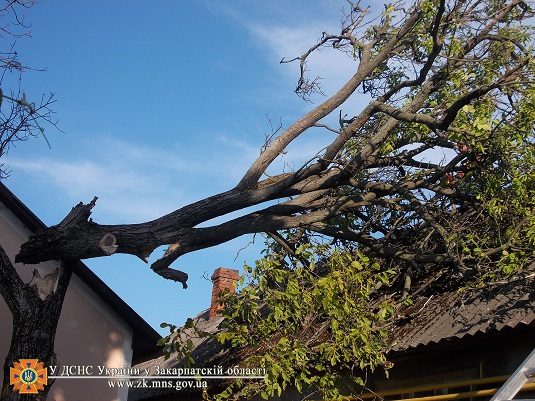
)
(222, 279)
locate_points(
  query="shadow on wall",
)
(87, 338)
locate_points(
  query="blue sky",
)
(163, 103)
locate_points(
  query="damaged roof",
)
(446, 317)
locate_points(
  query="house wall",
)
(89, 332)
(481, 356)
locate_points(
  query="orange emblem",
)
(29, 376)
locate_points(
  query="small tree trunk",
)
(32, 338)
(34, 326)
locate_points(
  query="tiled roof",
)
(454, 315)
(204, 349)
(207, 353)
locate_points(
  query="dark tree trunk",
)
(35, 322)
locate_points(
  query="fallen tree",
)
(455, 77)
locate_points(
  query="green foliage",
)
(485, 91)
(501, 179)
(180, 341)
(307, 323)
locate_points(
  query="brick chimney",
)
(222, 279)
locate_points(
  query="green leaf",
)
(468, 108)
(298, 385)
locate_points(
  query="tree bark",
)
(34, 323)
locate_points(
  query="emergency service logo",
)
(28, 377)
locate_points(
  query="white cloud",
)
(139, 183)
(333, 67)
(290, 38)
(124, 193)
